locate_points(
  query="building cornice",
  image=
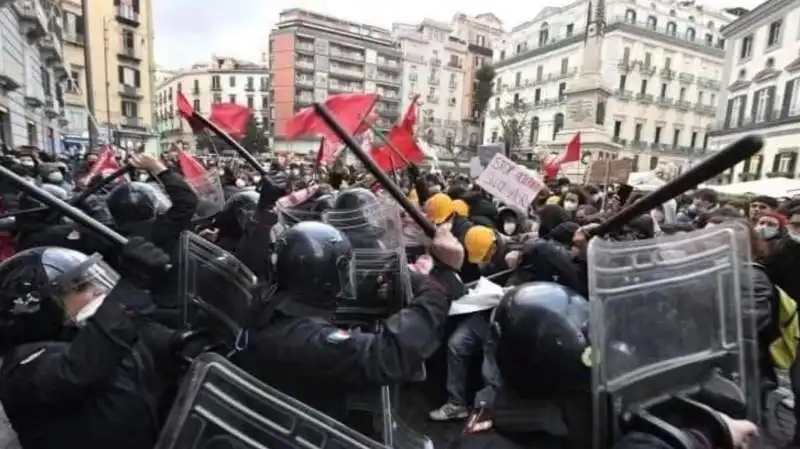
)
(175, 78)
(762, 12)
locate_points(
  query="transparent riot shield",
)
(397, 433)
(210, 196)
(222, 406)
(671, 316)
(215, 289)
(382, 277)
(289, 216)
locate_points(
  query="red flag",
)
(105, 165)
(367, 124)
(404, 143)
(190, 167)
(231, 118)
(349, 109)
(186, 111)
(571, 153)
(409, 120)
(326, 152)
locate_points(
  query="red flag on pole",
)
(230, 117)
(105, 164)
(571, 153)
(399, 139)
(349, 109)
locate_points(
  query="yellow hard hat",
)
(480, 244)
(553, 199)
(439, 208)
(461, 208)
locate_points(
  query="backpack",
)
(783, 348)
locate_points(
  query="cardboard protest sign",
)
(510, 182)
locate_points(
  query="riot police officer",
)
(233, 220)
(77, 370)
(294, 346)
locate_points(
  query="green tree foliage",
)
(484, 89)
(210, 142)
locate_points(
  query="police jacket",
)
(98, 391)
(319, 364)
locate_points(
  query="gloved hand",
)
(273, 187)
(141, 261)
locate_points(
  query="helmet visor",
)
(74, 275)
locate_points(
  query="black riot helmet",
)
(314, 262)
(44, 288)
(539, 340)
(238, 211)
(325, 202)
(355, 199)
(136, 202)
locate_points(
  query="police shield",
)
(215, 289)
(671, 318)
(210, 196)
(381, 275)
(221, 406)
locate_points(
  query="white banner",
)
(510, 182)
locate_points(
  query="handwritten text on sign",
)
(510, 182)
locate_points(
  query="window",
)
(128, 42)
(617, 128)
(232, 81)
(196, 86)
(537, 96)
(682, 94)
(626, 54)
(657, 135)
(761, 106)
(215, 83)
(180, 87)
(250, 102)
(648, 59)
(129, 109)
(251, 84)
(637, 132)
(676, 138)
(672, 29)
(562, 91)
(643, 88)
(570, 29)
(736, 106)
(74, 82)
(746, 49)
(264, 83)
(700, 98)
(663, 93)
(652, 22)
(518, 79)
(690, 34)
(774, 36)
(544, 35)
(130, 77)
(693, 139)
(630, 16)
(667, 63)
(265, 102)
(231, 98)
(564, 66)
(217, 98)
(623, 79)
(196, 105)
(539, 73)
(558, 124)
(533, 137)
(33, 138)
(709, 39)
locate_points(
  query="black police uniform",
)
(97, 389)
(232, 221)
(296, 349)
(539, 346)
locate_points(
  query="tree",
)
(514, 123)
(254, 139)
(484, 89)
(210, 142)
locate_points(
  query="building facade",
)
(658, 77)
(761, 90)
(31, 104)
(118, 37)
(313, 56)
(433, 68)
(481, 32)
(222, 80)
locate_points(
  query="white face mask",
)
(240, 183)
(55, 177)
(256, 179)
(143, 177)
(570, 206)
(88, 311)
(509, 227)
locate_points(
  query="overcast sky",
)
(188, 31)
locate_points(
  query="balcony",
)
(433, 81)
(347, 56)
(624, 95)
(432, 99)
(624, 66)
(33, 100)
(264, 87)
(435, 62)
(32, 18)
(685, 78)
(75, 39)
(250, 88)
(304, 100)
(647, 70)
(132, 122)
(216, 87)
(304, 48)
(304, 82)
(667, 74)
(348, 88)
(195, 91)
(50, 109)
(390, 66)
(683, 105)
(129, 53)
(345, 72)
(60, 71)
(51, 49)
(129, 91)
(303, 64)
(395, 81)
(644, 98)
(127, 15)
(9, 81)
(664, 102)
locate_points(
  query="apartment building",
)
(761, 90)
(222, 79)
(481, 32)
(313, 56)
(658, 64)
(31, 105)
(118, 37)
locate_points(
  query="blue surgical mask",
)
(766, 232)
